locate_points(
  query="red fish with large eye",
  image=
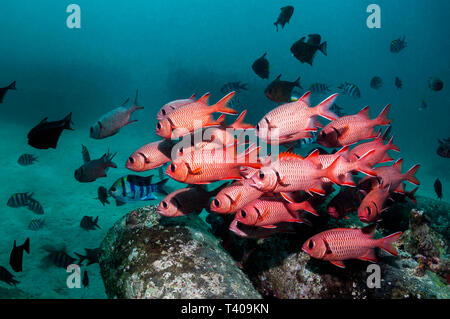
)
(350, 129)
(246, 231)
(373, 204)
(173, 105)
(190, 117)
(150, 156)
(293, 121)
(339, 244)
(381, 149)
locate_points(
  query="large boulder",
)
(149, 256)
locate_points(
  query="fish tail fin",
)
(80, 257)
(411, 195)
(392, 146)
(250, 157)
(409, 175)
(222, 107)
(382, 118)
(135, 104)
(12, 86)
(297, 83)
(160, 186)
(363, 164)
(329, 172)
(323, 48)
(26, 245)
(68, 121)
(239, 123)
(386, 243)
(323, 109)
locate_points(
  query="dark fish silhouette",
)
(261, 67)
(305, 51)
(346, 201)
(92, 256)
(26, 159)
(35, 206)
(398, 82)
(281, 91)
(7, 277)
(435, 84)
(89, 223)
(16, 257)
(3, 91)
(438, 188)
(319, 88)
(46, 134)
(91, 170)
(284, 17)
(234, 86)
(58, 257)
(338, 110)
(350, 89)
(444, 148)
(36, 224)
(102, 195)
(376, 82)
(19, 199)
(85, 279)
(398, 45)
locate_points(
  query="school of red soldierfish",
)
(269, 193)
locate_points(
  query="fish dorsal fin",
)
(398, 164)
(369, 230)
(313, 157)
(343, 150)
(126, 101)
(193, 96)
(85, 154)
(364, 112)
(204, 99)
(278, 77)
(305, 98)
(44, 120)
(289, 156)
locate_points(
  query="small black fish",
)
(398, 45)
(305, 51)
(261, 67)
(19, 199)
(398, 82)
(36, 224)
(93, 169)
(284, 17)
(350, 89)
(319, 88)
(376, 82)
(89, 223)
(26, 159)
(102, 195)
(444, 148)
(281, 91)
(58, 257)
(46, 134)
(85, 279)
(35, 206)
(234, 86)
(3, 91)
(92, 256)
(7, 277)
(435, 84)
(438, 188)
(338, 110)
(16, 257)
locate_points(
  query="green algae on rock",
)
(149, 256)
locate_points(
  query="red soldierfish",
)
(393, 176)
(110, 123)
(150, 156)
(381, 149)
(189, 117)
(339, 244)
(346, 201)
(169, 107)
(293, 121)
(373, 204)
(246, 231)
(350, 129)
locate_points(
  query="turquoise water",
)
(169, 50)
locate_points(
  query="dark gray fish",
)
(398, 82)
(35, 206)
(444, 148)
(398, 44)
(46, 134)
(92, 256)
(36, 224)
(423, 105)
(376, 82)
(102, 195)
(58, 257)
(19, 199)
(305, 51)
(7, 277)
(350, 89)
(338, 110)
(26, 159)
(85, 279)
(91, 170)
(89, 223)
(319, 88)
(435, 84)
(16, 256)
(234, 86)
(3, 91)
(284, 17)
(261, 67)
(438, 188)
(281, 91)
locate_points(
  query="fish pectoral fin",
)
(338, 263)
(369, 256)
(269, 226)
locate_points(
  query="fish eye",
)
(113, 189)
(181, 150)
(216, 203)
(261, 175)
(164, 204)
(172, 167)
(158, 126)
(322, 134)
(243, 213)
(257, 127)
(311, 244)
(131, 160)
(163, 112)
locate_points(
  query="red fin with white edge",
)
(306, 206)
(287, 198)
(364, 165)
(392, 146)
(305, 97)
(347, 180)
(313, 157)
(409, 175)
(323, 109)
(398, 164)
(369, 256)
(386, 158)
(329, 171)
(239, 123)
(400, 189)
(222, 107)
(343, 150)
(193, 96)
(365, 112)
(318, 190)
(386, 243)
(204, 99)
(338, 263)
(269, 226)
(382, 119)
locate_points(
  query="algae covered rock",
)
(149, 256)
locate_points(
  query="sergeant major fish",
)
(89, 223)
(133, 188)
(26, 159)
(350, 89)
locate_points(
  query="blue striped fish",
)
(350, 89)
(35, 206)
(19, 199)
(26, 159)
(134, 188)
(319, 88)
(36, 224)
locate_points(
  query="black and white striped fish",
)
(36, 224)
(19, 199)
(35, 206)
(89, 223)
(26, 159)
(234, 86)
(319, 88)
(350, 89)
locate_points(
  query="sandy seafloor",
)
(66, 201)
